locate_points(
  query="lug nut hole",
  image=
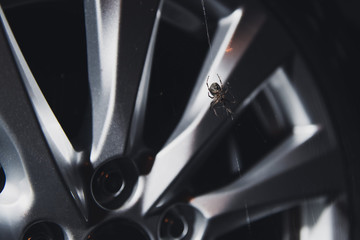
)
(44, 231)
(113, 182)
(173, 227)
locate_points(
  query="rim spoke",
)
(118, 34)
(137, 123)
(285, 176)
(28, 130)
(64, 154)
(199, 128)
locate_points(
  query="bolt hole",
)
(176, 228)
(173, 227)
(44, 231)
(2, 179)
(112, 182)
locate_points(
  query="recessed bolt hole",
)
(173, 226)
(44, 231)
(176, 227)
(112, 182)
(2, 179)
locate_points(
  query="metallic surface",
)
(46, 177)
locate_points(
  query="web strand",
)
(206, 26)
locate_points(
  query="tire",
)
(329, 44)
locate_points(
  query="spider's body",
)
(214, 89)
(217, 92)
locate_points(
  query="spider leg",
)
(215, 101)
(229, 112)
(219, 79)
(215, 112)
(220, 99)
(227, 109)
(210, 96)
(212, 104)
(207, 80)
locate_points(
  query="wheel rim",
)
(163, 176)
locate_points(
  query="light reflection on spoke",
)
(198, 125)
(279, 180)
(64, 154)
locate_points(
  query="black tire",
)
(327, 34)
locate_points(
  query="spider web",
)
(206, 24)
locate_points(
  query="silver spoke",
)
(180, 147)
(199, 129)
(230, 34)
(34, 188)
(102, 32)
(137, 124)
(286, 175)
(58, 141)
(64, 154)
(117, 43)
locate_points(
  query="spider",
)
(218, 94)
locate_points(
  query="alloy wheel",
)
(139, 153)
